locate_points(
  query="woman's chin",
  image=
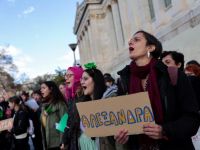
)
(131, 57)
(69, 86)
(85, 93)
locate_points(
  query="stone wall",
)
(103, 28)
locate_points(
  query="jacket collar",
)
(160, 66)
(125, 71)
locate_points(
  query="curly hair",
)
(195, 69)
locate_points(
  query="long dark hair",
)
(55, 95)
(99, 84)
(18, 101)
(15, 99)
(152, 40)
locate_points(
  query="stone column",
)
(111, 33)
(88, 45)
(116, 20)
(93, 34)
(81, 52)
(85, 49)
(126, 26)
(133, 16)
(90, 41)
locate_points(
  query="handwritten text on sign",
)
(105, 117)
(6, 124)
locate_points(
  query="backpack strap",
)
(173, 74)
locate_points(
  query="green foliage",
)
(39, 79)
(6, 61)
(60, 72)
(59, 76)
(59, 79)
(6, 69)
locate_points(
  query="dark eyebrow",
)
(136, 37)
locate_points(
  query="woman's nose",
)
(81, 81)
(130, 42)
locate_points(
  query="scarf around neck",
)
(138, 73)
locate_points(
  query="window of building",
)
(167, 3)
(151, 10)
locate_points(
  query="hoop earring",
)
(148, 54)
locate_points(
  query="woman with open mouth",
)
(73, 86)
(174, 105)
(94, 87)
(53, 109)
(74, 93)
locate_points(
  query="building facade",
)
(104, 27)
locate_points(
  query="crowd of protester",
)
(174, 93)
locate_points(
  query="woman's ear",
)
(179, 65)
(151, 48)
(51, 89)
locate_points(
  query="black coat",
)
(72, 131)
(181, 120)
(21, 122)
(195, 81)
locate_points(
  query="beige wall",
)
(107, 25)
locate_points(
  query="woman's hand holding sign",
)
(154, 131)
(122, 136)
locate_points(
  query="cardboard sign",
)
(105, 117)
(6, 124)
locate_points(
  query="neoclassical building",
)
(104, 27)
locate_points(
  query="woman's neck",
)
(16, 108)
(142, 62)
(48, 98)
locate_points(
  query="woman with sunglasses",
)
(74, 94)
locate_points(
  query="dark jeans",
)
(6, 141)
(22, 144)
